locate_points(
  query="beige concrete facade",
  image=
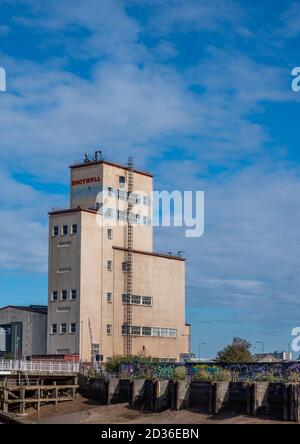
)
(87, 299)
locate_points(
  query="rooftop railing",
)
(121, 164)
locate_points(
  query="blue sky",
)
(197, 91)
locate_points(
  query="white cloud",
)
(23, 221)
(290, 21)
(247, 260)
(191, 15)
(23, 242)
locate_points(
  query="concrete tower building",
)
(109, 293)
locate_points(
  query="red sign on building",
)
(86, 181)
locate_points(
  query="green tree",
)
(238, 351)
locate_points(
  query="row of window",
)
(64, 295)
(63, 328)
(149, 331)
(134, 330)
(121, 215)
(136, 300)
(72, 295)
(134, 198)
(64, 230)
(109, 213)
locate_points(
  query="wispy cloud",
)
(290, 21)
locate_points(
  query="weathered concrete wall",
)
(181, 395)
(239, 397)
(119, 391)
(201, 396)
(294, 398)
(258, 399)
(163, 395)
(137, 393)
(276, 397)
(96, 389)
(221, 397)
(149, 395)
(260, 404)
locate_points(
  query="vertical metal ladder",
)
(129, 262)
(93, 355)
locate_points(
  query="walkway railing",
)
(39, 367)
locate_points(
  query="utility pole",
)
(262, 346)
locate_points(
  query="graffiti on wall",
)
(272, 372)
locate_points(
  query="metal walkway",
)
(38, 367)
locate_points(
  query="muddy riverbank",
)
(84, 411)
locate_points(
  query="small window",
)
(124, 266)
(122, 194)
(122, 180)
(109, 297)
(145, 200)
(136, 300)
(54, 296)
(109, 329)
(64, 295)
(65, 230)
(109, 265)
(74, 229)
(110, 191)
(146, 331)
(146, 300)
(135, 330)
(125, 329)
(73, 328)
(55, 230)
(73, 295)
(155, 331)
(125, 299)
(63, 329)
(110, 233)
(164, 332)
(53, 329)
(172, 332)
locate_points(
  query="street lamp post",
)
(199, 345)
(262, 346)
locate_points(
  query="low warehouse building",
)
(23, 331)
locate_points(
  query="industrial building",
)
(110, 294)
(23, 331)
